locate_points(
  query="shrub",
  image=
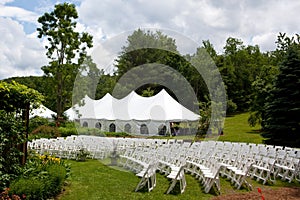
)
(42, 178)
(90, 131)
(37, 121)
(66, 131)
(57, 175)
(10, 137)
(45, 132)
(116, 134)
(231, 107)
(31, 187)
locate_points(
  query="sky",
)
(255, 22)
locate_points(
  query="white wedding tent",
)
(133, 114)
(42, 111)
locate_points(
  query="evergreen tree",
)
(281, 121)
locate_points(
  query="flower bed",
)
(41, 178)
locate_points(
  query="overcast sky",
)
(252, 21)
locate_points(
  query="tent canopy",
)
(161, 107)
(42, 111)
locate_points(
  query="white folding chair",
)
(211, 176)
(148, 177)
(288, 169)
(177, 174)
(239, 174)
(263, 169)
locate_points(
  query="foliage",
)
(261, 88)
(66, 131)
(10, 137)
(37, 121)
(239, 67)
(144, 47)
(14, 102)
(205, 113)
(38, 83)
(148, 92)
(64, 45)
(82, 154)
(231, 107)
(45, 131)
(88, 81)
(90, 131)
(15, 97)
(154, 62)
(281, 120)
(116, 134)
(41, 178)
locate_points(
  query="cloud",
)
(254, 22)
(3, 2)
(215, 20)
(18, 13)
(20, 54)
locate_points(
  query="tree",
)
(156, 54)
(281, 122)
(144, 47)
(86, 82)
(66, 49)
(38, 83)
(15, 103)
(261, 88)
(239, 66)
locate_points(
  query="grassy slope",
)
(236, 129)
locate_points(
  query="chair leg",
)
(172, 186)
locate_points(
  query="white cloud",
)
(5, 1)
(266, 41)
(20, 54)
(254, 22)
(18, 13)
(200, 20)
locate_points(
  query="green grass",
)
(94, 180)
(236, 129)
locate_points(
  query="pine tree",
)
(282, 120)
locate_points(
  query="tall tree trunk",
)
(59, 98)
(25, 153)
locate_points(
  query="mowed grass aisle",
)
(94, 180)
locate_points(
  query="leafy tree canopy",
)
(66, 50)
(15, 97)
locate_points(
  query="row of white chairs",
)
(205, 160)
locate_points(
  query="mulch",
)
(284, 193)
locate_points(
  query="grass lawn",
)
(94, 180)
(236, 129)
